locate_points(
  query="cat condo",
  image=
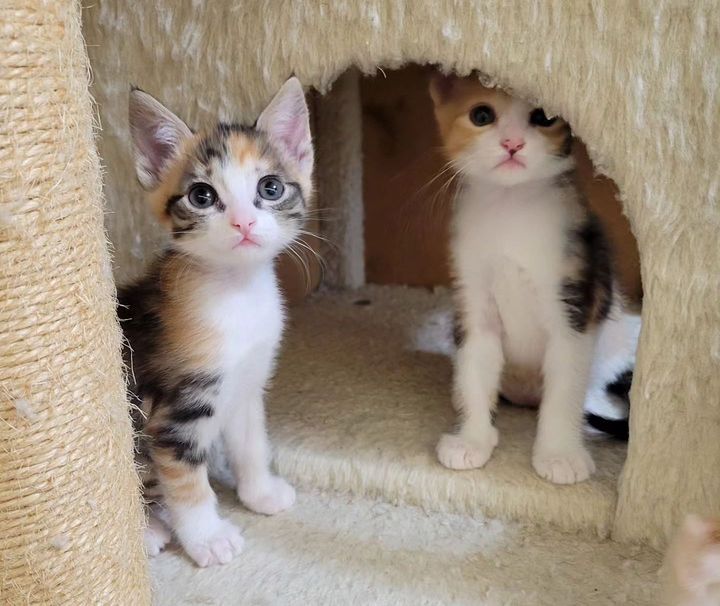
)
(362, 391)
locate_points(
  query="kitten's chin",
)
(510, 175)
(247, 256)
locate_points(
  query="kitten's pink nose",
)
(513, 144)
(244, 226)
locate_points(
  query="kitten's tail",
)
(618, 428)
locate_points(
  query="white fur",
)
(508, 254)
(206, 538)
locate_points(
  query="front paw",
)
(566, 466)
(156, 537)
(458, 452)
(218, 544)
(271, 497)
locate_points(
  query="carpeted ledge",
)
(362, 394)
(337, 550)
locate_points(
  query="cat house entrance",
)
(364, 381)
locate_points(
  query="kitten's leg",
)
(559, 454)
(478, 365)
(157, 533)
(191, 503)
(247, 448)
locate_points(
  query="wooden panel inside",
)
(407, 195)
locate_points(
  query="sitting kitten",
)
(533, 276)
(692, 565)
(204, 324)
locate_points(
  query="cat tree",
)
(639, 83)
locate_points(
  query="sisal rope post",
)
(70, 515)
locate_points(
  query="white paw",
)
(216, 546)
(458, 452)
(156, 537)
(564, 466)
(272, 497)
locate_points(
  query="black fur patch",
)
(206, 151)
(588, 295)
(567, 143)
(192, 398)
(171, 204)
(620, 387)
(225, 129)
(458, 331)
(185, 450)
(617, 428)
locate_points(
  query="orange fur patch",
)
(191, 344)
(181, 483)
(243, 149)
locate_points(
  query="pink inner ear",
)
(292, 133)
(158, 152)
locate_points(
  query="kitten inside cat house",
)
(409, 188)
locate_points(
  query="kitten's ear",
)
(441, 87)
(157, 135)
(286, 122)
(703, 529)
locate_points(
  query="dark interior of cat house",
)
(370, 362)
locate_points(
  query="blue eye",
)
(270, 188)
(482, 115)
(201, 195)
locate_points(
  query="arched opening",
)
(373, 354)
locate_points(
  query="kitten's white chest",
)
(247, 316)
(509, 248)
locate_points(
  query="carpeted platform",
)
(361, 396)
(363, 393)
(334, 550)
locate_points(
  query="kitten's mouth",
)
(511, 162)
(245, 242)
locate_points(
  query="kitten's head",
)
(495, 138)
(230, 195)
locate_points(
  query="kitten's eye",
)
(201, 195)
(538, 118)
(482, 115)
(270, 188)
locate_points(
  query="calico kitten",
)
(204, 324)
(534, 280)
(691, 569)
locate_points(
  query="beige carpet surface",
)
(335, 550)
(363, 393)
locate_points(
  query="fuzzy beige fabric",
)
(637, 80)
(334, 550)
(363, 394)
